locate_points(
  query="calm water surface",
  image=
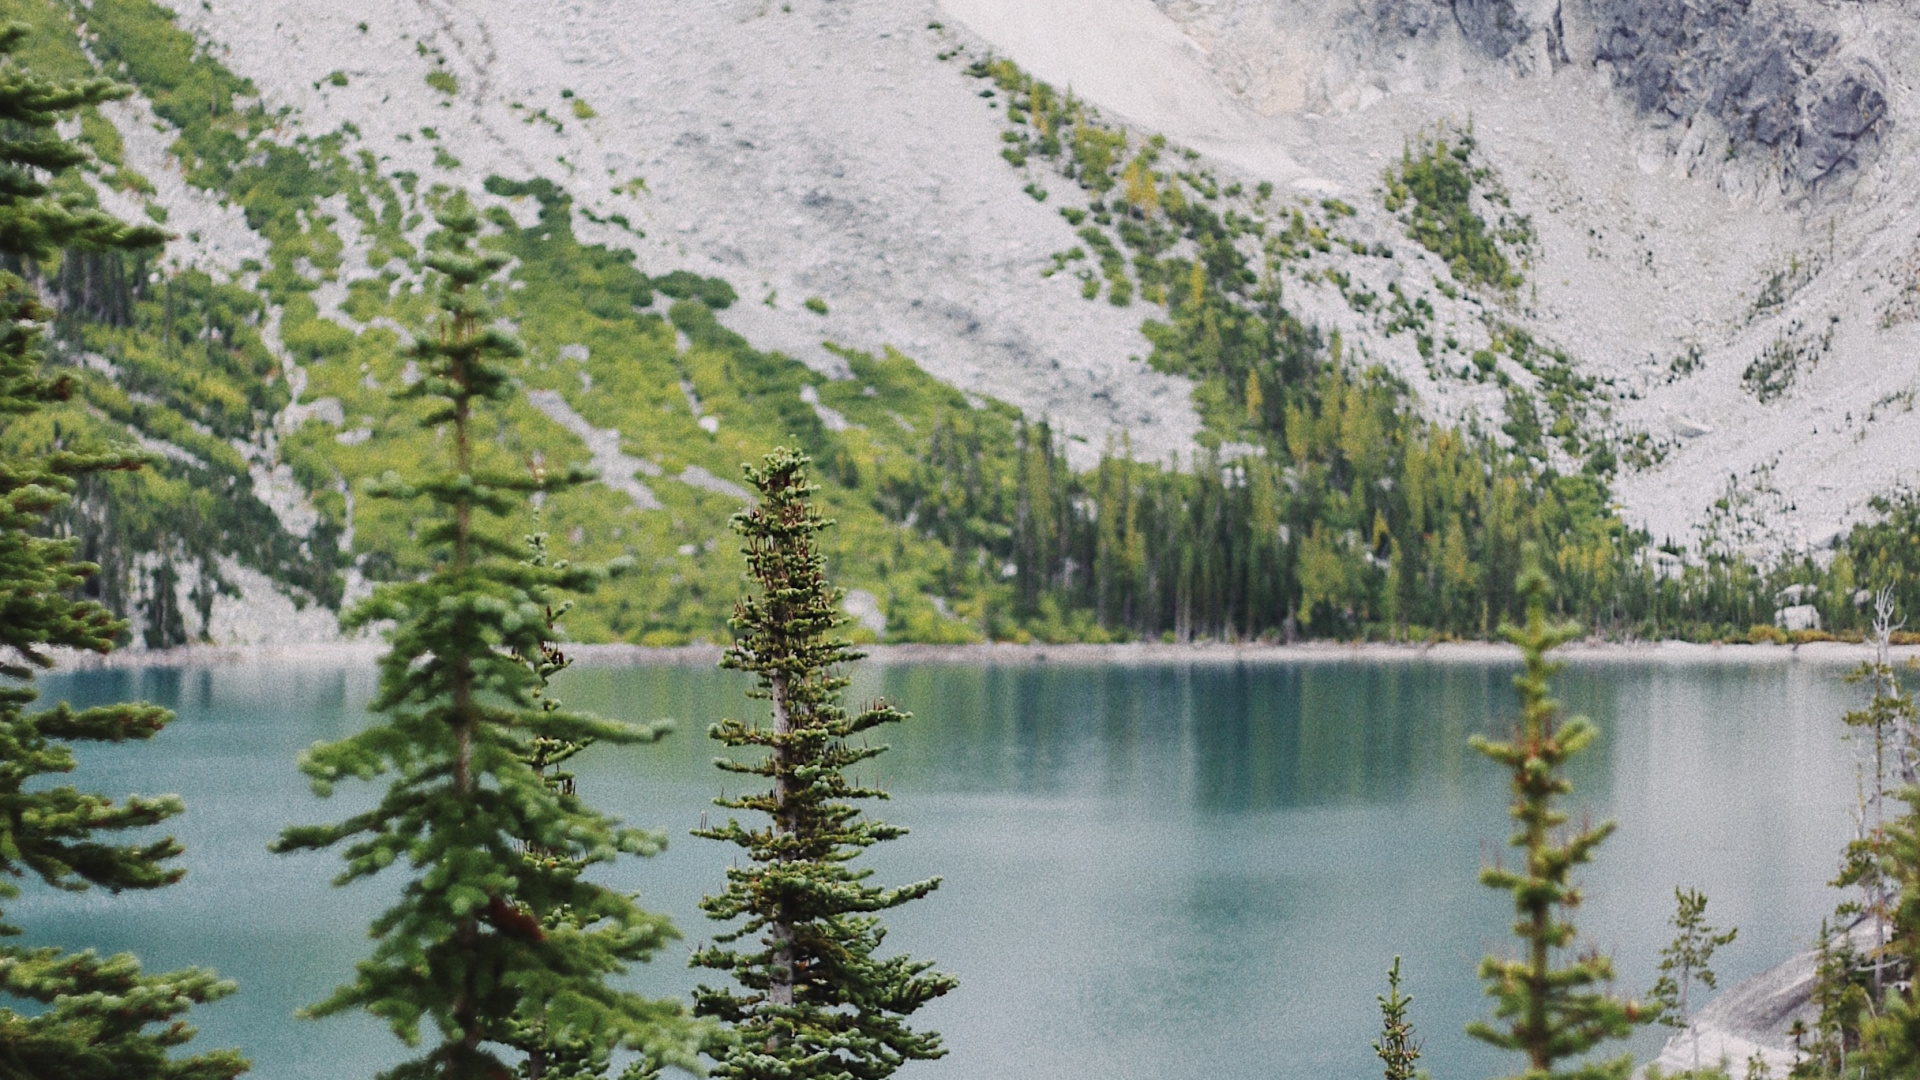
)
(1151, 873)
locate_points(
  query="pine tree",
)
(87, 1016)
(1549, 1013)
(815, 1000)
(1686, 960)
(1397, 1048)
(495, 847)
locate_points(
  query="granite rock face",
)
(1499, 29)
(1777, 81)
(1779, 78)
(1495, 27)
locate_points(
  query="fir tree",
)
(1840, 995)
(495, 847)
(553, 1051)
(1687, 959)
(1549, 1012)
(87, 1017)
(815, 1000)
(1397, 1047)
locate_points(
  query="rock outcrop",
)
(1776, 79)
(1787, 87)
(1500, 28)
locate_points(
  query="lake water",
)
(1151, 873)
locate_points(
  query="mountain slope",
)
(1462, 207)
(1723, 230)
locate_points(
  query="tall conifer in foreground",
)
(89, 1015)
(815, 1000)
(1549, 1012)
(493, 846)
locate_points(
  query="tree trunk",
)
(780, 931)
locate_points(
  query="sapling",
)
(1686, 960)
(1397, 1048)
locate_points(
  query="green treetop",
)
(814, 1000)
(1549, 1011)
(1397, 1048)
(495, 848)
(87, 1016)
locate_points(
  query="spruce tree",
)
(86, 1017)
(494, 847)
(1549, 1011)
(814, 1000)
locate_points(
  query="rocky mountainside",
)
(1702, 202)
(1725, 227)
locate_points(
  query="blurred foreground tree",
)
(88, 1016)
(1549, 1011)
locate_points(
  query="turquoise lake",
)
(1151, 872)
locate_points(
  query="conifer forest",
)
(609, 591)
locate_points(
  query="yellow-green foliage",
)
(1432, 188)
(570, 294)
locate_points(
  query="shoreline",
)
(342, 653)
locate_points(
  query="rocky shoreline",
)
(1755, 1018)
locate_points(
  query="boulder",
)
(1797, 617)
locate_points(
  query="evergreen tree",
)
(495, 846)
(87, 1017)
(1868, 1017)
(1890, 1041)
(815, 1000)
(554, 1051)
(1397, 1047)
(1687, 959)
(1548, 1012)
(1892, 724)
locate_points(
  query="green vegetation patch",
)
(1432, 189)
